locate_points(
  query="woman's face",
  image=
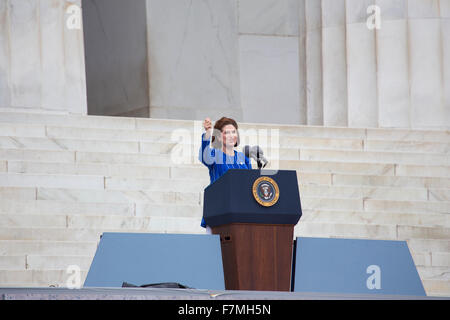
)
(229, 136)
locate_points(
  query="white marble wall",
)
(269, 79)
(193, 59)
(41, 60)
(305, 61)
(268, 61)
(280, 61)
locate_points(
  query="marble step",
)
(365, 192)
(176, 158)
(52, 181)
(105, 196)
(154, 224)
(408, 146)
(38, 262)
(89, 121)
(199, 170)
(429, 245)
(50, 234)
(164, 147)
(151, 222)
(90, 182)
(166, 144)
(48, 248)
(156, 208)
(288, 148)
(408, 135)
(189, 197)
(388, 218)
(434, 273)
(37, 278)
(146, 221)
(98, 169)
(33, 220)
(70, 144)
(163, 153)
(345, 230)
(324, 138)
(407, 206)
(385, 134)
(145, 209)
(405, 158)
(431, 259)
(437, 288)
(389, 181)
(49, 207)
(303, 179)
(435, 194)
(94, 121)
(422, 232)
(163, 224)
(16, 262)
(22, 130)
(366, 231)
(368, 205)
(157, 225)
(306, 190)
(18, 193)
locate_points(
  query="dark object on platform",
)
(191, 259)
(256, 239)
(157, 285)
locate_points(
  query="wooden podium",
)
(254, 214)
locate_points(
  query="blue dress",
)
(219, 162)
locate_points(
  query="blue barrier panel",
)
(355, 266)
(142, 258)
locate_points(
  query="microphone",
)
(257, 154)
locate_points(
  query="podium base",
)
(256, 256)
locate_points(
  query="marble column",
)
(393, 65)
(426, 63)
(445, 34)
(5, 61)
(361, 66)
(41, 60)
(314, 88)
(334, 63)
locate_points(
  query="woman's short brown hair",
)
(218, 126)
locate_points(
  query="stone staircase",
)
(66, 179)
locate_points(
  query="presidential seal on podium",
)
(266, 191)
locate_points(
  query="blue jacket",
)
(219, 162)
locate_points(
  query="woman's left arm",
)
(248, 163)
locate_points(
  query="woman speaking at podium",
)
(219, 154)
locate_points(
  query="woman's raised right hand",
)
(207, 124)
